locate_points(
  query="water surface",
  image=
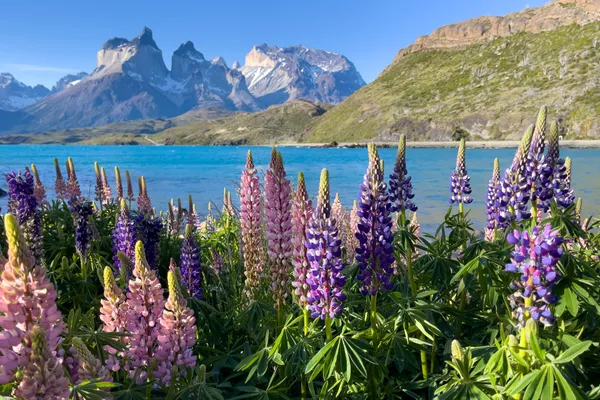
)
(203, 172)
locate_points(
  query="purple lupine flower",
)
(325, 278)
(124, 237)
(401, 194)
(535, 257)
(191, 270)
(537, 170)
(460, 182)
(73, 188)
(148, 228)
(60, 187)
(513, 191)
(375, 251)
(38, 187)
(278, 212)
(490, 203)
(119, 185)
(99, 189)
(143, 200)
(23, 204)
(302, 212)
(561, 183)
(81, 210)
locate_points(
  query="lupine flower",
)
(535, 257)
(325, 278)
(192, 217)
(42, 376)
(38, 188)
(106, 187)
(23, 204)
(578, 208)
(81, 211)
(302, 212)
(130, 194)
(112, 315)
(143, 200)
(73, 189)
(537, 170)
(491, 204)
(460, 182)
(148, 229)
(228, 209)
(145, 304)
(401, 194)
(119, 185)
(70, 361)
(561, 183)
(99, 189)
(278, 212)
(175, 217)
(60, 187)
(124, 237)
(513, 191)
(177, 335)
(209, 221)
(375, 252)
(191, 270)
(351, 240)
(27, 299)
(250, 222)
(89, 366)
(218, 264)
(416, 230)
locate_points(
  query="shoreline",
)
(489, 144)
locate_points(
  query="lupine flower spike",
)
(145, 304)
(144, 205)
(534, 257)
(375, 252)
(491, 204)
(337, 213)
(351, 240)
(278, 212)
(38, 189)
(177, 333)
(250, 222)
(460, 185)
(99, 189)
(301, 214)
(148, 226)
(60, 187)
(89, 366)
(401, 194)
(27, 299)
(106, 186)
(23, 204)
(124, 237)
(130, 193)
(73, 189)
(43, 376)
(81, 211)
(326, 298)
(119, 185)
(112, 315)
(191, 270)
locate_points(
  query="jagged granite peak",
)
(275, 75)
(236, 65)
(218, 60)
(188, 49)
(69, 80)
(145, 38)
(15, 95)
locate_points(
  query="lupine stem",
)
(463, 294)
(374, 317)
(306, 321)
(328, 328)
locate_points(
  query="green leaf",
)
(535, 346)
(319, 356)
(573, 352)
(571, 301)
(517, 384)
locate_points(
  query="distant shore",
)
(490, 144)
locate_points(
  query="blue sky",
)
(44, 40)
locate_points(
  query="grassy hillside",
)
(489, 89)
(278, 124)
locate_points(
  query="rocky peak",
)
(532, 20)
(261, 56)
(67, 80)
(6, 79)
(187, 49)
(218, 60)
(15, 95)
(145, 39)
(235, 65)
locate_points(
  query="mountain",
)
(275, 75)
(15, 95)
(485, 76)
(132, 82)
(68, 80)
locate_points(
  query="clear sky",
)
(42, 40)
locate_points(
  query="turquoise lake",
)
(203, 172)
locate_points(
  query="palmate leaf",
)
(573, 352)
(251, 392)
(93, 390)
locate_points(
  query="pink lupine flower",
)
(43, 376)
(99, 189)
(39, 191)
(119, 184)
(89, 366)
(27, 298)
(73, 189)
(250, 221)
(130, 194)
(112, 314)
(351, 241)
(143, 201)
(302, 212)
(60, 187)
(177, 332)
(278, 194)
(145, 305)
(106, 187)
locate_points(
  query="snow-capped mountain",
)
(275, 75)
(15, 95)
(68, 80)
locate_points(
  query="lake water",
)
(203, 172)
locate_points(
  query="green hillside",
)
(488, 89)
